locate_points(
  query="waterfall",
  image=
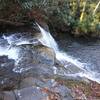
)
(63, 57)
(6, 49)
(11, 53)
(11, 48)
(49, 41)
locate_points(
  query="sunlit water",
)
(49, 41)
(12, 51)
(11, 48)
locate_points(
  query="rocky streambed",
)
(30, 70)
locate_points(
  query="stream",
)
(40, 56)
(84, 56)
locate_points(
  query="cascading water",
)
(5, 49)
(10, 48)
(49, 41)
(12, 51)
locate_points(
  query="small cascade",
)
(12, 49)
(63, 57)
(49, 41)
(11, 53)
(7, 48)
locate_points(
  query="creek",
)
(81, 56)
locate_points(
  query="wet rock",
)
(67, 68)
(28, 82)
(8, 79)
(6, 65)
(45, 54)
(65, 92)
(72, 69)
(9, 95)
(40, 82)
(35, 55)
(29, 93)
(50, 90)
(3, 43)
(35, 61)
(35, 82)
(1, 95)
(35, 70)
(56, 90)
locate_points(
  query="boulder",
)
(36, 61)
(50, 90)
(45, 54)
(36, 54)
(8, 78)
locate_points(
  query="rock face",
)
(8, 79)
(31, 77)
(45, 54)
(47, 91)
(34, 60)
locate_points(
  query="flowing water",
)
(49, 41)
(9, 47)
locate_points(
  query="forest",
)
(79, 17)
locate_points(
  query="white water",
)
(12, 40)
(13, 52)
(63, 57)
(7, 50)
(49, 41)
(11, 49)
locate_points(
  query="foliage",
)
(82, 16)
(77, 14)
